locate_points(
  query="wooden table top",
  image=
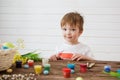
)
(95, 73)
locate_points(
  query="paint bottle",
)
(30, 62)
(18, 64)
(118, 71)
(66, 72)
(47, 67)
(83, 68)
(107, 68)
(71, 66)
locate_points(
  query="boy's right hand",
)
(53, 58)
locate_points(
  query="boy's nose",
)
(68, 31)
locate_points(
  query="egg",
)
(79, 78)
(4, 47)
(45, 72)
(26, 66)
(9, 70)
(72, 71)
(9, 44)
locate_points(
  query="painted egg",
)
(9, 70)
(72, 71)
(26, 66)
(4, 47)
(9, 44)
(45, 72)
(79, 78)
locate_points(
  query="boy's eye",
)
(64, 29)
(73, 29)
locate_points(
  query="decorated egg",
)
(26, 66)
(45, 72)
(72, 71)
(79, 78)
(9, 70)
(4, 47)
(9, 44)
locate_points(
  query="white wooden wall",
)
(37, 22)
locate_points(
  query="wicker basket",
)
(6, 58)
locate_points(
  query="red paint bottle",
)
(83, 68)
(30, 62)
(66, 72)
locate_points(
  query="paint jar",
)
(66, 72)
(107, 68)
(38, 69)
(83, 68)
(30, 62)
(47, 67)
(18, 64)
(44, 61)
(118, 71)
(71, 66)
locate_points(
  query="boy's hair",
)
(73, 19)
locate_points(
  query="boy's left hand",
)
(78, 57)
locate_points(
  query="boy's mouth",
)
(69, 37)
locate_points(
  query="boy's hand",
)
(53, 58)
(78, 57)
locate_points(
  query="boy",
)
(72, 49)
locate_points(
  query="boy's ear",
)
(80, 33)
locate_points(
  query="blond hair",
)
(73, 19)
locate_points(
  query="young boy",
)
(72, 49)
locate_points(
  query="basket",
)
(6, 59)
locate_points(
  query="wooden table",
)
(95, 73)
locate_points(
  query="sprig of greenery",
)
(32, 55)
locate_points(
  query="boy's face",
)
(71, 34)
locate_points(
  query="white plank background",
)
(37, 22)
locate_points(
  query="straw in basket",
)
(6, 58)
